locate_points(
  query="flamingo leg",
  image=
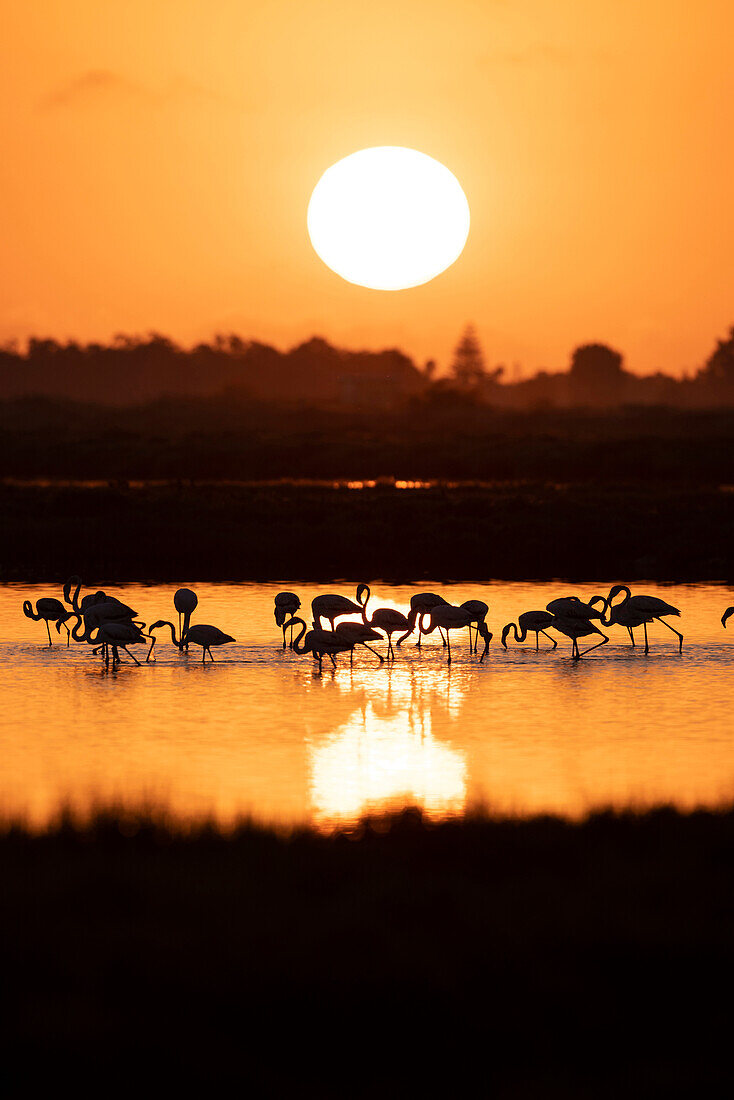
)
(555, 643)
(448, 644)
(632, 637)
(150, 651)
(48, 632)
(137, 662)
(537, 640)
(679, 636)
(373, 651)
(68, 636)
(593, 647)
(647, 644)
(331, 656)
(284, 643)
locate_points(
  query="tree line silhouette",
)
(134, 370)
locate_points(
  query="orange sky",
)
(157, 157)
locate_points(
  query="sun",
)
(388, 218)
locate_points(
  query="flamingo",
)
(479, 610)
(286, 603)
(118, 635)
(331, 607)
(200, 634)
(358, 634)
(729, 611)
(420, 603)
(185, 602)
(574, 627)
(51, 611)
(621, 615)
(454, 618)
(87, 601)
(319, 642)
(386, 619)
(649, 607)
(571, 607)
(530, 622)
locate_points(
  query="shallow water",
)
(261, 732)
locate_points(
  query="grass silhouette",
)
(523, 958)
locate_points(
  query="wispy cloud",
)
(103, 85)
(90, 87)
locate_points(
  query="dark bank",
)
(522, 958)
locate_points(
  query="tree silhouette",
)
(596, 376)
(468, 367)
(718, 370)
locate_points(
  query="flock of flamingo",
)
(109, 625)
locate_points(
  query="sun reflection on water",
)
(386, 755)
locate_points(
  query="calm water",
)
(262, 732)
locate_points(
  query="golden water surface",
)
(262, 732)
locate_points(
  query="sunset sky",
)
(158, 157)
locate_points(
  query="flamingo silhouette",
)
(530, 622)
(479, 610)
(648, 607)
(453, 618)
(574, 627)
(420, 603)
(185, 602)
(87, 601)
(331, 606)
(200, 634)
(729, 611)
(358, 634)
(571, 607)
(621, 615)
(118, 635)
(286, 603)
(322, 643)
(386, 619)
(51, 611)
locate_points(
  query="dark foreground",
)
(234, 532)
(506, 958)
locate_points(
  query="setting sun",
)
(388, 218)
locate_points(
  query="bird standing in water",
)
(51, 611)
(450, 618)
(386, 619)
(200, 634)
(530, 622)
(286, 603)
(185, 602)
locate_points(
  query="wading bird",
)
(420, 603)
(51, 611)
(358, 634)
(530, 622)
(575, 628)
(649, 607)
(331, 607)
(729, 611)
(322, 643)
(185, 602)
(479, 610)
(86, 601)
(386, 619)
(286, 603)
(621, 615)
(118, 635)
(453, 618)
(199, 634)
(571, 607)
